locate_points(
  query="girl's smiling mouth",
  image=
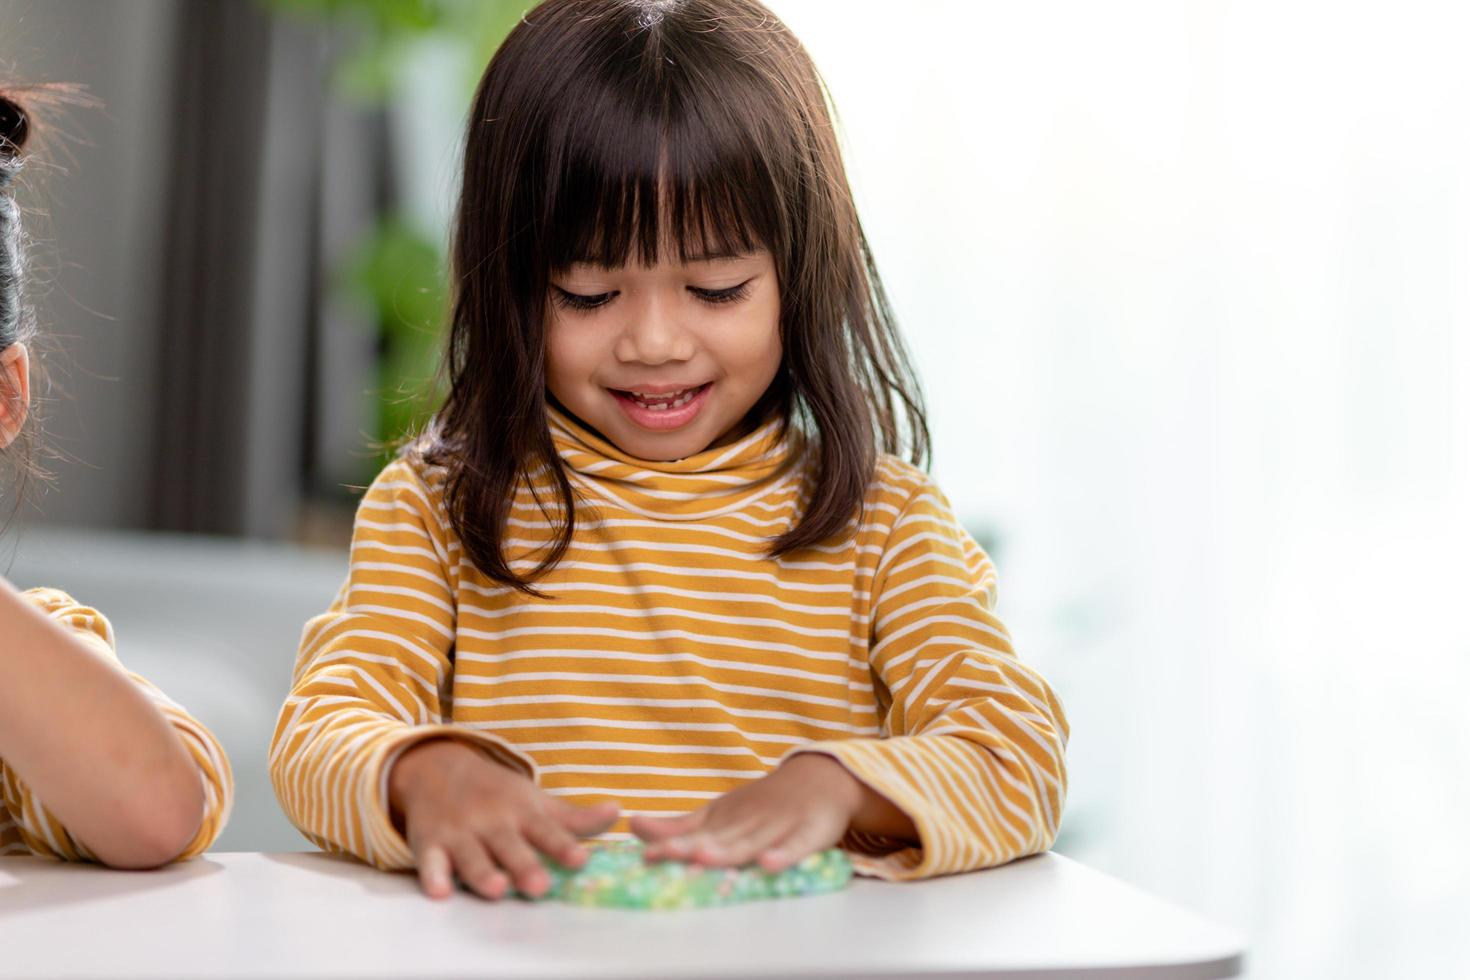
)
(663, 412)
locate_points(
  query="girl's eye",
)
(577, 301)
(730, 295)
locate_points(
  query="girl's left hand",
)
(803, 806)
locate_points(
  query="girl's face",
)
(712, 325)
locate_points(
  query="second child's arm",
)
(86, 739)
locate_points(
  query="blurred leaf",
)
(367, 75)
(387, 15)
(396, 269)
(381, 34)
(386, 29)
(400, 272)
(488, 25)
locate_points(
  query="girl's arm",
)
(974, 740)
(127, 778)
(371, 676)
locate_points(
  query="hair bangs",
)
(668, 173)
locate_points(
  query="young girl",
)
(128, 778)
(753, 631)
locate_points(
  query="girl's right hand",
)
(464, 813)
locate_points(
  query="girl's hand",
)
(464, 813)
(803, 806)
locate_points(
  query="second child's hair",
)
(20, 134)
(16, 322)
(15, 128)
(610, 130)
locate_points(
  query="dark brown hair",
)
(15, 128)
(16, 322)
(604, 130)
(28, 120)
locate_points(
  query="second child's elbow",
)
(157, 827)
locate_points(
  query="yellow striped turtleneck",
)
(673, 662)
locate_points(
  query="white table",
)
(310, 915)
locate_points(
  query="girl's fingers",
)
(557, 843)
(667, 837)
(435, 871)
(739, 844)
(669, 849)
(476, 868)
(524, 867)
(586, 821)
(662, 828)
(803, 841)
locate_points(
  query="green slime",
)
(616, 876)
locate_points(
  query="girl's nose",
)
(654, 332)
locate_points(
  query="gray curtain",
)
(209, 378)
(220, 115)
(261, 374)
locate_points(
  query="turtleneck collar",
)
(711, 482)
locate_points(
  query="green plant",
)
(401, 273)
(397, 268)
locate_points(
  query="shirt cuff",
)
(871, 854)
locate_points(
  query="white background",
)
(1188, 285)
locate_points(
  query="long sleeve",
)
(26, 816)
(972, 740)
(373, 675)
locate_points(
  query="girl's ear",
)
(15, 391)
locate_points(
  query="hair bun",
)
(15, 126)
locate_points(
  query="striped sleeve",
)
(38, 828)
(373, 675)
(972, 740)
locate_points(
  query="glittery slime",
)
(616, 876)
